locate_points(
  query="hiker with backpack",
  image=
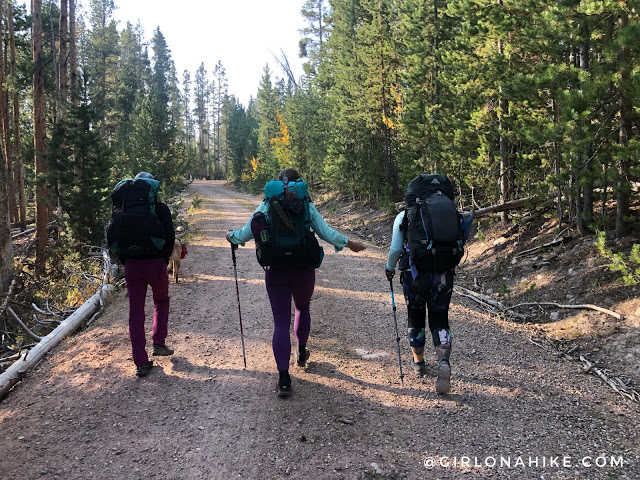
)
(283, 227)
(141, 234)
(428, 240)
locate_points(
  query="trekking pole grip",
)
(393, 303)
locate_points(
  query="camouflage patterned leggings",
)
(427, 292)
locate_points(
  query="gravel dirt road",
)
(515, 411)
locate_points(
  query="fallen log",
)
(511, 205)
(488, 302)
(500, 308)
(553, 243)
(25, 232)
(20, 368)
(585, 306)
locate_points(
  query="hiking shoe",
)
(443, 381)
(161, 350)
(419, 368)
(284, 385)
(301, 360)
(143, 370)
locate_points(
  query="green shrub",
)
(627, 265)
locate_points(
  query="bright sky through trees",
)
(243, 34)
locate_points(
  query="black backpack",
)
(135, 230)
(284, 237)
(433, 233)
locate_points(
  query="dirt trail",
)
(84, 414)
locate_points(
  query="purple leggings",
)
(282, 284)
(139, 273)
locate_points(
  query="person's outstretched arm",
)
(239, 237)
(328, 234)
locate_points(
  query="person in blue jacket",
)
(429, 292)
(284, 283)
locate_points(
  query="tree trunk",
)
(557, 160)
(504, 183)
(582, 229)
(6, 247)
(391, 175)
(208, 148)
(504, 161)
(62, 82)
(39, 137)
(5, 128)
(605, 188)
(435, 149)
(588, 172)
(583, 173)
(73, 57)
(103, 80)
(626, 110)
(17, 150)
(63, 40)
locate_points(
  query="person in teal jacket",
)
(284, 283)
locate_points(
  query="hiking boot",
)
(443, 380)
(284, 384)
(161, 350)
(143, 370)
(302, 357)
(419, 368)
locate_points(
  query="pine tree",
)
(83, 162)
(236, 138)
(267, 107)
(315, 12)
(39, 133)
(102, 65)
(201, 96)
(6, 246)
(219, 93)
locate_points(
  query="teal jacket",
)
(324, 231)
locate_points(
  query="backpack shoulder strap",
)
(405, 222)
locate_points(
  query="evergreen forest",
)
(511, 99)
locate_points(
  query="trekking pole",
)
(235, 274)
(395, 321)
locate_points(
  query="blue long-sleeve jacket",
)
(397, 243)
(324, 231)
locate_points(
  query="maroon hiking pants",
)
(139, 273)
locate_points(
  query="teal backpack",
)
(284, 236)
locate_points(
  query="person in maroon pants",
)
(139, 273)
